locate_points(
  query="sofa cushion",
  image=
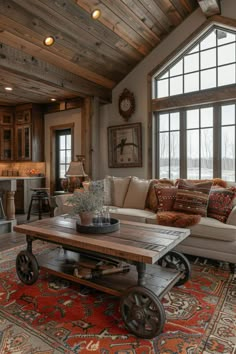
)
(130, 214)
(119, 189)
(192, 197)
(137, 193)
(166, 197)
(177, 219)
(214, 229)
(220, 203)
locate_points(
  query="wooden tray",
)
(94, 229)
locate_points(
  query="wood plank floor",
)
(13, 239)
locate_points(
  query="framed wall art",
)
(125, 145)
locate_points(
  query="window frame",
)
(217, 138)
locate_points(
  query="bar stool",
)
(39, 199)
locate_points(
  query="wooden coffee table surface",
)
(134, 241)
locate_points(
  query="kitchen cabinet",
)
(6, 136)
(29, 133)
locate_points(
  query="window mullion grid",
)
(199, 138)
(217, 140)
(169, 142)
(183, 144)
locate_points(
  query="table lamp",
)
(76, 175)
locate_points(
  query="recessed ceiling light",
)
(53, 99)
(8, 88)
(48, 41)
(96, 14)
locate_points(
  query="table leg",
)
(141, 269)
(29, 243)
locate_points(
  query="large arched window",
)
(198, 140)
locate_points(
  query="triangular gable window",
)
(209, 63)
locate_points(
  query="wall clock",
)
(126, 104)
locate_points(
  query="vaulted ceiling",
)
(89, 57)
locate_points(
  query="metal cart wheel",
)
(27, 267)
(142, 312)
(178, 261)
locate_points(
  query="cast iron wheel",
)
(178, 261)
(142, 312)
(27, 267)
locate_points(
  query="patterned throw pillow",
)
(177, 219)
(192, 197)
(220, 203)
(166, 197)
(152, 201)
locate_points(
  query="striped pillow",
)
(192, 197)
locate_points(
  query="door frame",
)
(53, 130)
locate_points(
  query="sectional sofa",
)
(127, 200)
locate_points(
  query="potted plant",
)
(85, 203)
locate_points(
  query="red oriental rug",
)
(56, 316)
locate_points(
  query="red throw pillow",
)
(177, 219)
(166, 198)
(220, 203)
(192, 197)
(152, 200)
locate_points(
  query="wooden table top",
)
(134, 241)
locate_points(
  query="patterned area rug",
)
(55, 316)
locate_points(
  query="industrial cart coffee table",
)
(136, 263)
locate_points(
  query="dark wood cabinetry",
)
(22, 133)
(29, 133)
(6, 136)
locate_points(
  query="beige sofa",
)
(209, 238)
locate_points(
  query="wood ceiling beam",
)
(52, 58)
(20, 63)
(210, 7)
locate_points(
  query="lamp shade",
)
(76, 169)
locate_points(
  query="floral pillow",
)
(220, 203)
(192, 198)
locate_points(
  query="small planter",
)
(86, 218)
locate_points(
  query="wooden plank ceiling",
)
(89, 56)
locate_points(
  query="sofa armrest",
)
(232, 217)
(60, 201)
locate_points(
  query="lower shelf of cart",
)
(63, 264)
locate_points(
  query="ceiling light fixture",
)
(8, 88)
(48, 41)
(53, 99)
(96, 14)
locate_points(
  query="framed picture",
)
(125, 145)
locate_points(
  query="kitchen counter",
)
(20, 187)
(7, 178)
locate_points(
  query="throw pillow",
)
(152, 200)
(192, 197)
(120, 187)
(108, 190)
(220, 203)
(166, 197)
(177, 219)
(137, 193)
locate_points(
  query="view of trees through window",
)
(197, 142)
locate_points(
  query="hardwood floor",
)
(13, 239)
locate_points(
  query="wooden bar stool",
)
(40, 200)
